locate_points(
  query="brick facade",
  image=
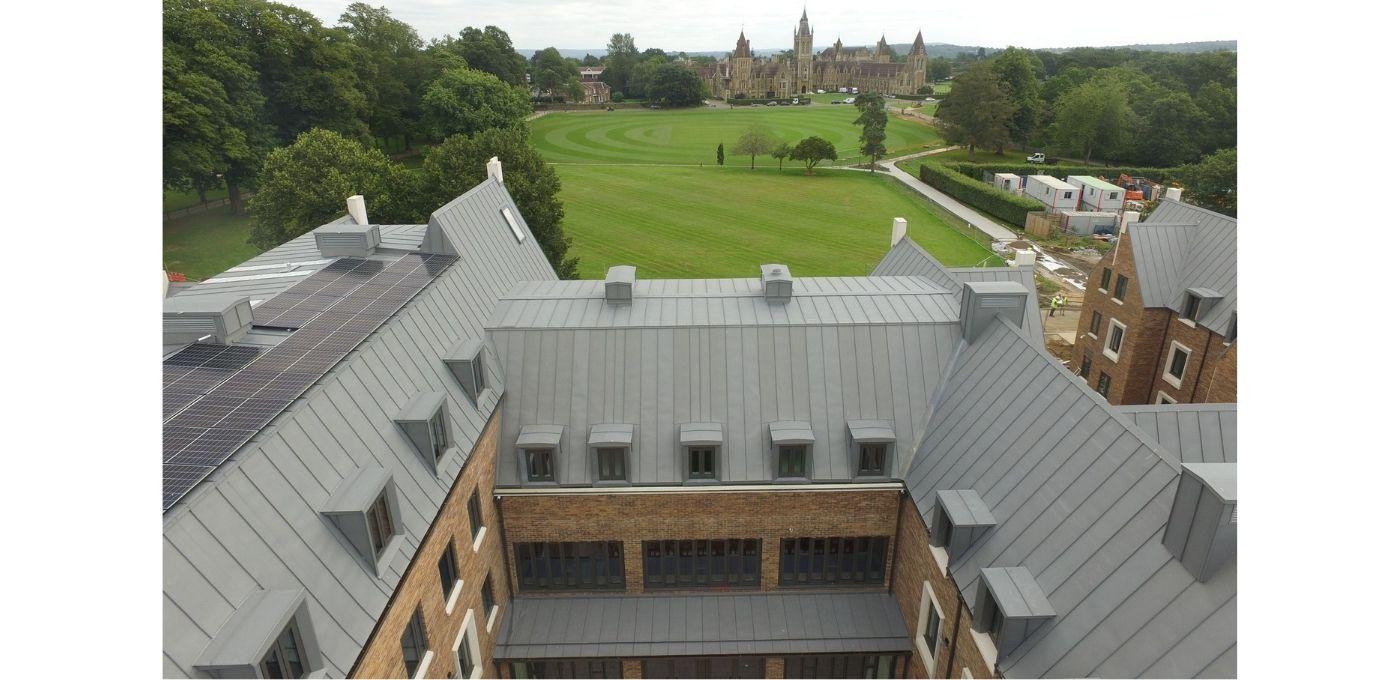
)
(1208, 376)
(383, 656)
(913, 565)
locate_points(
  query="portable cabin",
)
(1097, 195)
(1057, 196)
(1007, 181)
(1085, 223)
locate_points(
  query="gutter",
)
(705, 489)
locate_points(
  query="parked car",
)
(837, 101)
(930, 99)
(821, 91)
(771, 104)
(850, 100)
(843, 90)
(1035, 158)
(653, 106)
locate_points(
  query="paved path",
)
(973, 218)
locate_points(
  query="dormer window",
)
(540, 465)
(871, 448)
(363, 508)
(612, 464)
(1010, 608)
(872, 460)
(792, 460)
(960, 520)
(610, 445)
(1193, 307)
(467, 361)
(700, 449)
(285, 658)
(424, 420)
(381, 523)
(270, 635)
(539, 450)
(792, 450)
(702, 462)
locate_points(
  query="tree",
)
(719, 154)
(782, 151)
(1018, 70)
(622, 57)
(392, 52)
(311, 76)
(674, 85)
(1218, 103)
(1171, 134)
(655, 53)
(467, 101)
(754, 141)
(459, 163)
(938, 68)
(1212, 183)
(812, 151)
(872, 120)
(490, 50)
(977, 112)
(1092, 116)
(551, 74)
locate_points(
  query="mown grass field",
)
(204, 244)
(725, 222)
(689, 136)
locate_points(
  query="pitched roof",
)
(254, 523)
(1081, 495)
(1195, 433)
(1181, 246)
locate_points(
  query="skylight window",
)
(514, 226)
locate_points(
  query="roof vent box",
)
(777, 283)
(983, 301)
(221, 321)
(1200, 531)
(617, 288)
(346, 239)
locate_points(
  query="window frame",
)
(1164, 399)
(1086, 367)
(690, 453)
(449, 573)
(1167, 377)
(1120, 288)
(1191, 310)
(470, 644)
(1095, 324)
(623, 453)
(1105, 384)
(1122, 335)
(929, 611)
(547, 566)
(884, 456)
(419, 639)
(488, 597)
(549, 452)
(277, 653)
(788, 451)
(693, 564)
(378, 544)
(475, 520)
(439, 436)
(837, 563)
(1104, 279)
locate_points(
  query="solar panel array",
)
(217, 398)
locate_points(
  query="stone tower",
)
(882, 51)
(802, 55)
(741, 69)
(916, 64)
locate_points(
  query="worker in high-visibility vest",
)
(1055, 303)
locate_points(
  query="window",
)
(1086, 367)
(1069, 194)
(595, 565)
(465, 665)
(1230, 332)
(514, 227)
(994, 627)
(872, 460)
(702, 462)
(1176, 364)
(284, 658)
(713, 563)
(704, 667)
(447, 569)
(438, 436)
(479, 376)
(1120, 289)
(792, 461)
(567, 668)
(1094, 322)
(612, 464)
(1112, 195)
(1193, 307)
(1103, 384)
(1164, 398)
(488, 596)
(539, 465)
(414, 642)
(381, 523)
(930, 631)
(474, 514)
(844, 666)
(1116, 331)
(832, 561)
(425, 423)
(1105, 279)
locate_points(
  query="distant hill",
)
(938, 49)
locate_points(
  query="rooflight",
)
(515, 227)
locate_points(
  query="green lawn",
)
(205, 244)
(724, 222)
(689, 136)
(175, 199)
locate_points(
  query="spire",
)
(918, 47)
(803, 28)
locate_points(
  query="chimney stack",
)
(1174, 193)
(1201, 528)
(493, 170)
(900, 228)
(617, 288)
(355, 205)
(1025, 258)
(777, 283)
(1129, 217)
(983, 301)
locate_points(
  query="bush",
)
(978, 194)
(617, 97)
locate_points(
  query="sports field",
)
(689, 136)
(723, 222)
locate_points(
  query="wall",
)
(1221, 386)
(1133, 375)
(383, 656)
(636, 517)
(1209, 374)
(914, 564)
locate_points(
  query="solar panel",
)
(217, 398)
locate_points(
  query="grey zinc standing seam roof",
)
(255, 523)
(1081, 496)
(683, 625)
(1181, 246)
(1195, 433)
(906, 258)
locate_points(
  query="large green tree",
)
(1093, 116)
(674, 85)
(754, 141)
(1218, 103)
(467, 101)
(621, 59)
(490, 50)
(1019, 71)
(978, 110)
(814, 150)
(872, 120)
(1172, 131)
(311, 75)
(551, 74)
(938, 68)
(459, 163)
(393, 58)
(1212, 183)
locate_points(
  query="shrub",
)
(974, 192)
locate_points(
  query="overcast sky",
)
(710, 25)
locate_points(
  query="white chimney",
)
(493, 170)
(1025, 258)
(899, 229)
(1174, 193)
(355, 205)
(1129, 217)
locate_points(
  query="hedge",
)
(782, 101)
(976, 170)
(980, 195)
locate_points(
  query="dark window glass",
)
(414, 642)
(703, 667)
(539, 465)
(284, 658)
(464, 658)
(1230, 332)
(478, 376)
(711, 564)
(612, 464)
(474, 514)
(1086, 367)
(1115, 339)
(569, 566)
(1094, 322)
(832, 561)
(439, 435)
(994, 626)
(488, 596)
(792, 461)
(944, 531)
(1178, 365)
(844, 666)
(447, 569)
(872, 460)
(1120, 289)
(1193, 307)
(1069, 194)
(702, 462)
(1103, 384)
(567, 668)
(381, 523)
(931, 629)
(1105, 278)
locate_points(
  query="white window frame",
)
(468, 636)
(1164, 399)
(1167, 376)
(456, 593)
(929, 602)
(1108, 340)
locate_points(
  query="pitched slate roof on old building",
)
(255, 525)
(1181, 246)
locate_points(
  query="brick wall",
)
(1220, 383)
(914, 564)
(1210, 369)
(421, 585)
(637, 517)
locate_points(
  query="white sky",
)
(711, 25)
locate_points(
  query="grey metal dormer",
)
(467, 361)
(210, 319)
(364, 508)
(269, 635)
(1200, 531)
(1010, 607)
(791, 442)
(424, 421)
(871, 449)
(960, 518)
